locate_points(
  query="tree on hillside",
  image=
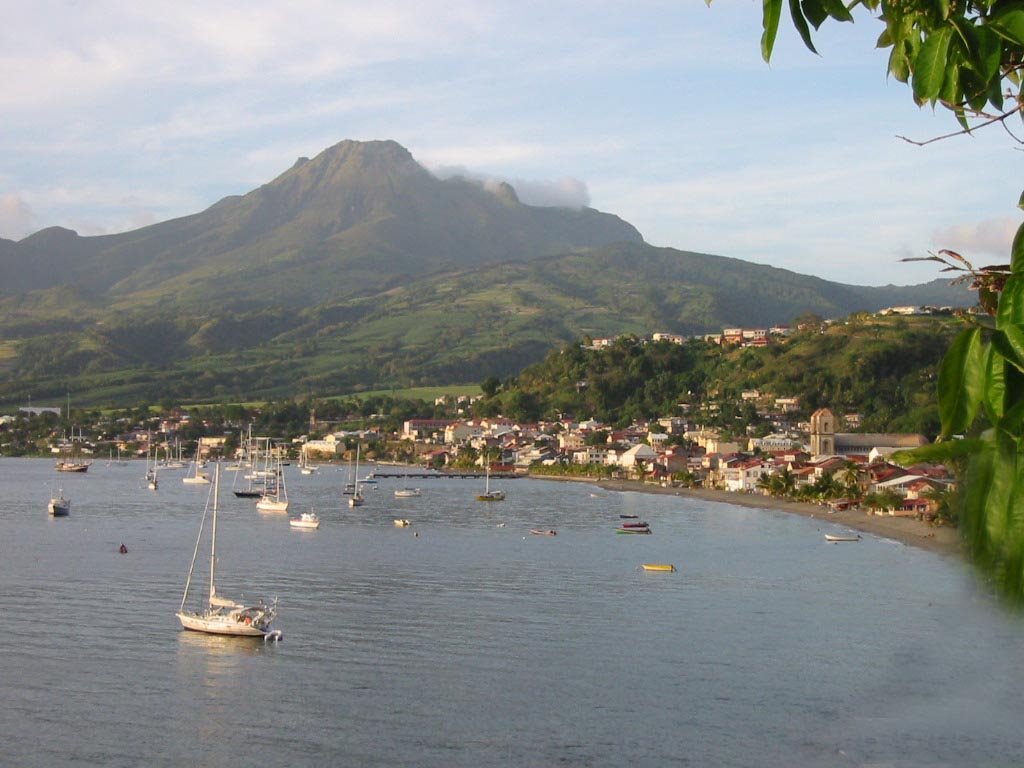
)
(966, 57)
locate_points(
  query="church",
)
(825, 441)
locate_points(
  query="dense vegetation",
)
(882, 368)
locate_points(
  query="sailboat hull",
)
(220, 624)
(269, 505)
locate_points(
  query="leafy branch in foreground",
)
(967, 56)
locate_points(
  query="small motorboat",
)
(835, 538)
(659, 567)
(628, 517)
(623, 529)
(635, 525)
(309, 521)
(543, 532)
(407, 493)
(401, 522)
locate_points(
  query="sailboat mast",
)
(213, 538)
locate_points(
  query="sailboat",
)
(252, 462)
(275, 496)
(151, 482)
(73, 463)
(219, 615)
(171, 462)
(195, 477)
(488, 494)
(356, 499)
(59, 506)
(304, 466)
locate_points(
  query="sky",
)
(116, 115)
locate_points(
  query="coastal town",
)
(819, 459)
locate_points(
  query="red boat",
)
(635, 525)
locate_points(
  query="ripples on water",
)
(471, 644)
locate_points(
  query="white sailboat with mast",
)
(275, 494)
(304, 466)
(356, 499)
(488, 494)
(219, 615)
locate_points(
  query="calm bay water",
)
(477, 644)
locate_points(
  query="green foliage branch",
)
(966, 56)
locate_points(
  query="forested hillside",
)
(883, 368)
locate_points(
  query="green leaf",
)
(977, 486)
(800, 23)
(987, 53)
(1009, 342)
(961, 382)
(772, 12)
(1009, 25)
(899, 64)
(1017, 251)
(1011, 302)
(836, 9)
(929, 69)
(994, 391)
(814, 11)
(1000, 495)
(936, 453)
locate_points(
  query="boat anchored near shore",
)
(219, 615)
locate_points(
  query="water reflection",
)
(219, 649)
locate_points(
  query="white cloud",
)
(991, 237)
(562, 193)
(17, 219)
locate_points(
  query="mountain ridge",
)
(359, 268)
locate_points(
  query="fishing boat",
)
(658, 567)
(635, 525)
(835, 538)
(219, 615)
(307, 520)
(623, 529)
(407, 493)
(543, 532)
(488, 494)
(59, 506)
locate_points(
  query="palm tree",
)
(941, 498)
(849, 477)
(786, 482)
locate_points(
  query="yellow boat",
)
(659, 567)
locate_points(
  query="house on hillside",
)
(637, 455)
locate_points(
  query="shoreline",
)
(942, 540)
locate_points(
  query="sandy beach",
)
(940, 539)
